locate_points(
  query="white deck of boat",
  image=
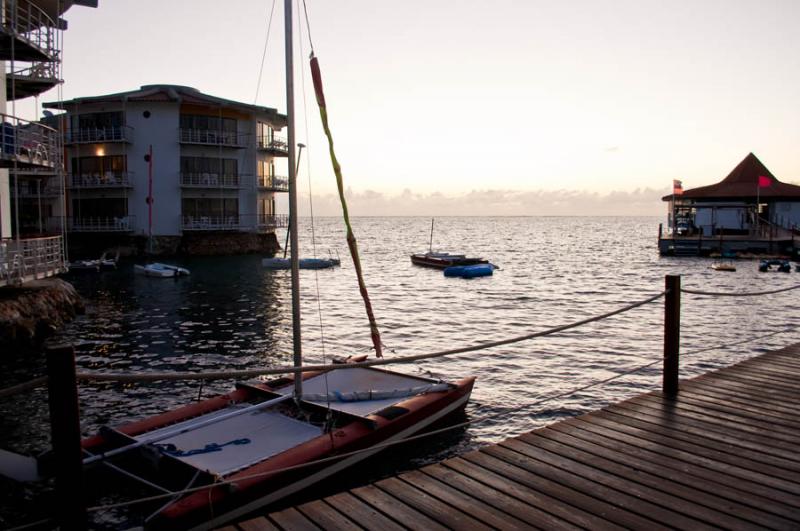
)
(358, 379)
(268, 433)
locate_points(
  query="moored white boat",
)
(305, 263)
(159, 270)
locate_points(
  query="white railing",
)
(109, 179)
(49, 190)
(212, 137)
(273, 143)
(39, 71)
(274, 183)
(96, 135)
(29, 23)
(31, 258)
(233, 223)
(210, 180)
(27, 143)
(101, 224)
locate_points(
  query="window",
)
(213, 166)
(208, 123)
(98, 120)
(100, 166)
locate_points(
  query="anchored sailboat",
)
(223, 457)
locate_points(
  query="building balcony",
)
(274, 144)
(273, 183)
(101, 224)
(31, 80)
(208, 137)
(29, 191)
(247, 223)
(26, 30)
(27, 144)
(100, 135)
(105, 180)
(210, 180)
(30, 259)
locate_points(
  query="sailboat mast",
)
(295, 260)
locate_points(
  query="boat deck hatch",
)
(345, 381)
(234, 443)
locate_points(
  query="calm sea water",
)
(232, 314)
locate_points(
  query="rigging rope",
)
(418, 436)
(264, 54)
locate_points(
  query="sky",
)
(506, 107)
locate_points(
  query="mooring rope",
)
(26, 386)
(737, 294)
(418, 436)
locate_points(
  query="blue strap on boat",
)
(171, 449)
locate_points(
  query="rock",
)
(34, 311)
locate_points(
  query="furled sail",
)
(351, 239)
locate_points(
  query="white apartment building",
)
(30, 153)
(169, 164)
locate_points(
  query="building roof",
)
(743, 183)
(167, 93)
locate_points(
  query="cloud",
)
(639, 202)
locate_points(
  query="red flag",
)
(677, 187)
(764, 181)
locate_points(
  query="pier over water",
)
(722, 453)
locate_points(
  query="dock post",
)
(672, 334)
(65, 428)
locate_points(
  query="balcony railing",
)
(31, 192)
(274, 143)
(273, 183)
(234, 223)
(101, 224)
(210, 180)
(105, 180)
(27, 144)
(211, 137)
(30, 259)
(31, 80)
(99, 135)
(33, 29)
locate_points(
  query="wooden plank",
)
(706, 454)
(394, 509)
(518, 482)
(463, 502)
(738, 398)
(747, 377)
(746, 388)
(671, 496)
(662, 418)
(718, 490)
(669, 413)
(257, 524)
(453, 474)
(293, 519)
(430, 506)
(366, 516)
(326, 516)
(752, 411)
(622, 504)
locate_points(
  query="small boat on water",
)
(469, 271)
(94, 265)
(305, 263)
(444, 260)
(723, 266)
(782, 266)
(159, 270)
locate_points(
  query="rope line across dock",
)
(737, 294)
(445, 429)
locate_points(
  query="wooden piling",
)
(62, 389)
(672, 331)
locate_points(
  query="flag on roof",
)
(764, 181)
(677, 187)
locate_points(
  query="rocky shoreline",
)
(34, 311)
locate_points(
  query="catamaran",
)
(221, 458)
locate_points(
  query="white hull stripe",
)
(324, 473)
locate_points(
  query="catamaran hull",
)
(261, 485)
(413, 425)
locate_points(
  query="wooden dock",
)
(724, 454)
